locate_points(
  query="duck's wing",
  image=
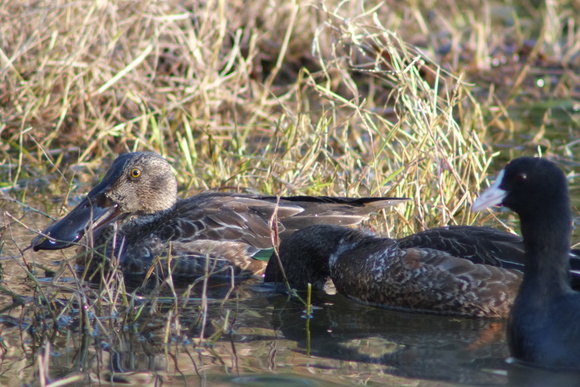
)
(383, 274)
(240, 229)
(250, 219)
(483, 245)
(331, 210)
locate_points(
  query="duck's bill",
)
(92, 213)
(493, 196)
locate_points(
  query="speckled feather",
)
(422, 279)
(428, 272)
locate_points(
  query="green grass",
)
(334, 98)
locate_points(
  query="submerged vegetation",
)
(357, 98)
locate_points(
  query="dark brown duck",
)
(455, 270)
(134, 216)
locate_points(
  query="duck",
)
(135, 219)
(468, 271)
(543, 328)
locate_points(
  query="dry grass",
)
(322, 98)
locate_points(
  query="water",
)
(268, 340)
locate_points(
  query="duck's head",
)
(140, 182)
(526, 184)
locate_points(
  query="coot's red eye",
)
(522, 177)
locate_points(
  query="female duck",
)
(456, 270)
(134, 216)
(544, 324)
(426, 272)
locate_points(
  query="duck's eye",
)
(135, 173)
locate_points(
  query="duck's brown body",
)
(407, 274)
(133, 216)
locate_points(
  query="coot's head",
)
(525, 185)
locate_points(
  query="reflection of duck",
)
(458, 270)
(134, 214)
(413, 346)
(544, 324)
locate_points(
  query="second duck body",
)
(456, 270)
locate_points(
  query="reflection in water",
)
(267, 334)
(258, 335)
(408, 345)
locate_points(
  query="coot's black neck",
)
(546, 231)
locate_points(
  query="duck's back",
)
(382, 273)
(478, 244)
